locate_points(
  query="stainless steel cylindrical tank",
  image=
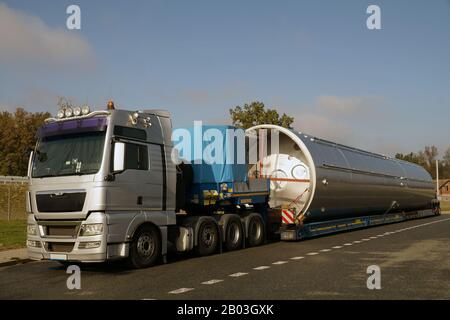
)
(323, 180)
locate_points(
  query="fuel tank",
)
(321, 180)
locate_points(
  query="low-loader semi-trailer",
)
(107, 185)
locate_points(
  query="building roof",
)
(443, 182)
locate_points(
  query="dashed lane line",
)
(238, 274)
(212, 281)
(181, 290)
(279, 262)
(261, 268)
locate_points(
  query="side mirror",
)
(30, 163)
(119, 157)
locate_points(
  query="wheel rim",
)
(234, 233)
(145, 245)
(208, 236)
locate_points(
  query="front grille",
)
(60, 202)
(60, 246)
(62, 231)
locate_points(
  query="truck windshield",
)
(69, 154)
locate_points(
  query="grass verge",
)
(13, 234)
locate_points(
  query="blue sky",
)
(383, 90)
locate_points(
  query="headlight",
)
(68, 112)
(85, 110)
(31, 229)
(91, 229)
(76, 111)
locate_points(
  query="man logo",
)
(74, 281)
(374, 280)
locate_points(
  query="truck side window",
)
(136, 157)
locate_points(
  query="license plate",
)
(54, 256)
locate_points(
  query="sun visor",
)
(73, 126)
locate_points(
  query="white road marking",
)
(148, 299)
(297, 258)
(373, 237)
(312, 253)
(280, 262)
(261, 268)
(238, 274)
(347, 244)
(181, 290)
(337, 247)
(325, 250)
(213, 281)
(357, 241)
(365, 239)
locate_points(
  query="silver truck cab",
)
(102, 186)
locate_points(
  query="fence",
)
(13, 197)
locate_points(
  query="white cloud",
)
(339, 104)
(323, 127)
(335, 117)
(26, 39)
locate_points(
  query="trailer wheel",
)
(208, 238)
(145, 248)
(255, 232)
(234, 235)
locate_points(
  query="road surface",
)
(413, 256)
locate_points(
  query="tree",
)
(427, 159)
(255, 113)
(445, 164)
(17, 137)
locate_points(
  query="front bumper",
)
(68, 248)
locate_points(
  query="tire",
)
(145, 248)
(255, 232)
(234, 235)
(208, 238)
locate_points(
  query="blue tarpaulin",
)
(203, 145)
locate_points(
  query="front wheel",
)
(145, 248)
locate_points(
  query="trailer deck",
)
(314, 229)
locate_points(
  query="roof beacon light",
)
(110, 105)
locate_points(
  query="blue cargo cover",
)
(229, 170)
